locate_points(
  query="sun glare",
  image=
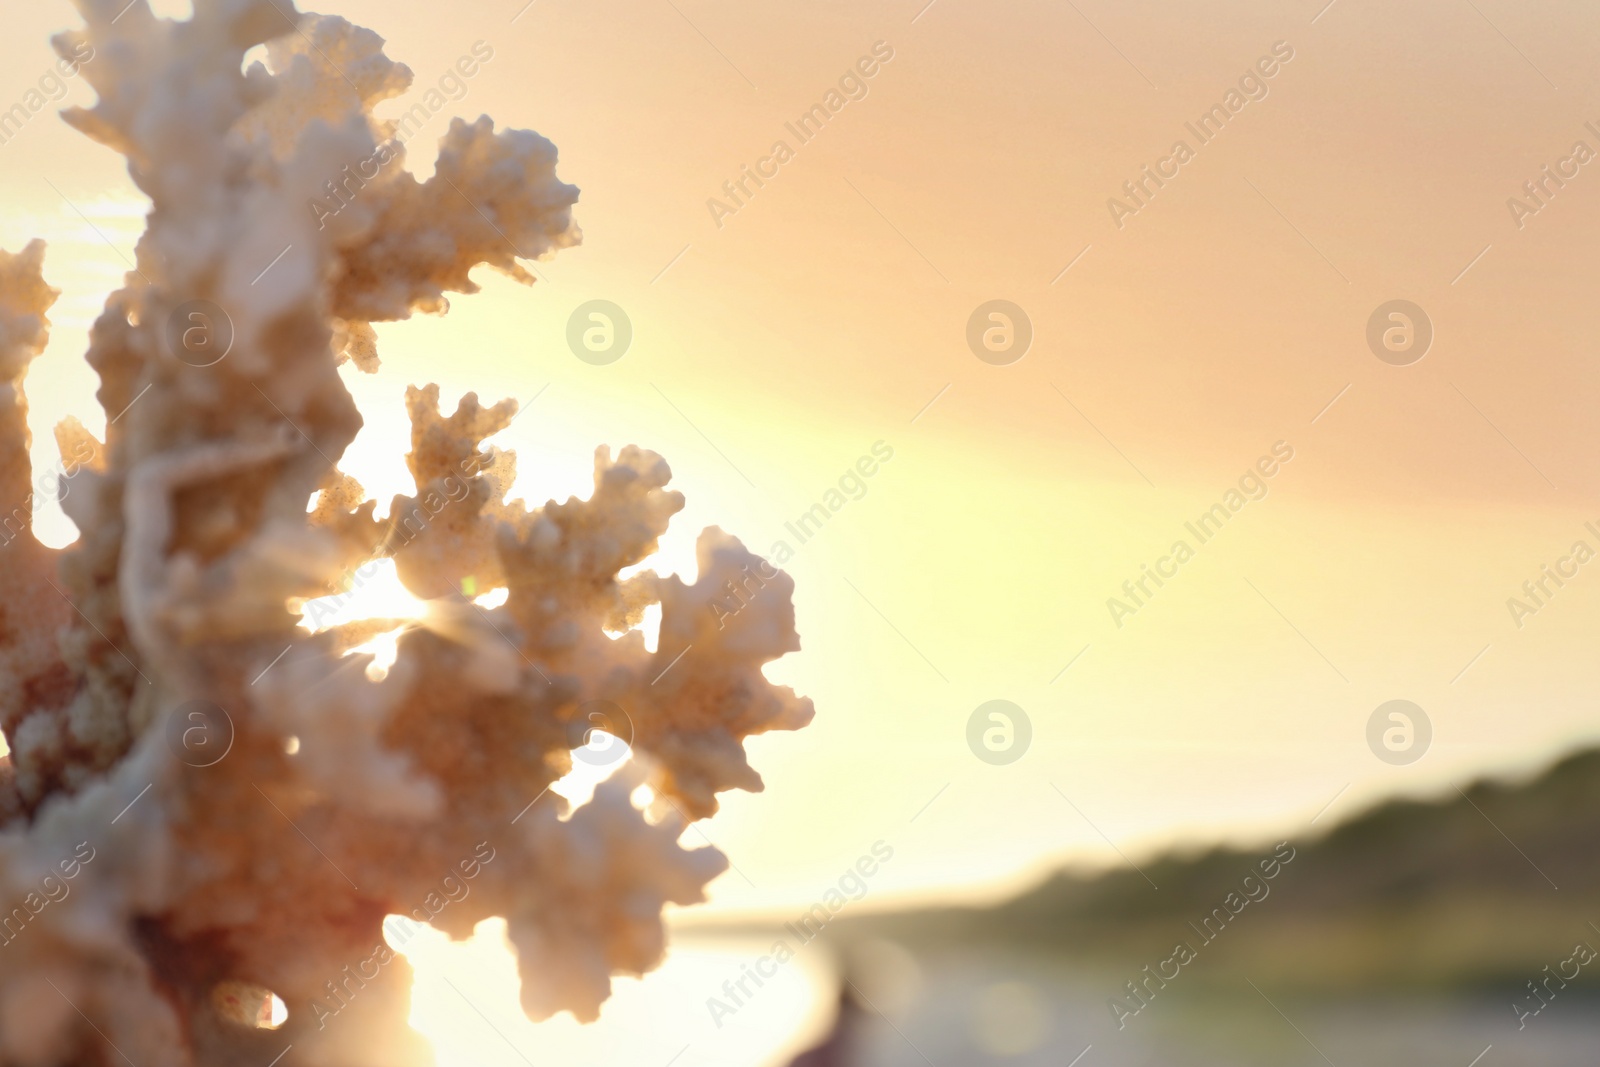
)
(370, 591)
(464, 1000)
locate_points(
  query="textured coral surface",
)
(206, 801)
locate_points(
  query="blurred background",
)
(1338, 346)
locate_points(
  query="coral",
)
(206, 800)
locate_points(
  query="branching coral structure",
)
(207, 803)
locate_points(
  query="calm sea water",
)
(961, 1011)
(465, 1002)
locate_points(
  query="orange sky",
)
(823, 316)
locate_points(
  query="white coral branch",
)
(320, 799)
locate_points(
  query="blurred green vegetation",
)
(1476, 890)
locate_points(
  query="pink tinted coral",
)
(238, 803)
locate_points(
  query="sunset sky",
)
(777, 344)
